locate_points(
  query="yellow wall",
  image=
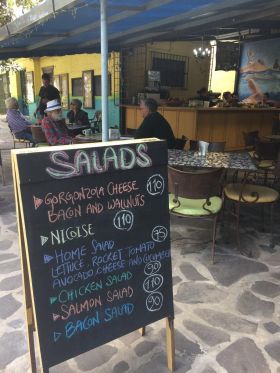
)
(139, 60)
(198, 72)
(74, 65)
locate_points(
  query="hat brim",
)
(53, 108)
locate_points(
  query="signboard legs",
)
(26, 284)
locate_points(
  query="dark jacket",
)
(155, 125)
(48, 93)
(80, 118)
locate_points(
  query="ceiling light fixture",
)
(201, 52)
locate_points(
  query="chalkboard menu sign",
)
(96, 230)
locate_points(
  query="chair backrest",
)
(217, 146)
(194, 145)
(97, 121)
(180, 143)
(267, 149)
(250, 138)
(38, 134)
(195, 184)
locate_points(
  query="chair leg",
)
(263, 219)
(271, 226)
(237, 208)
(214, 238)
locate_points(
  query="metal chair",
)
(250, 139)
(247, 193)
(180, 143)
(96, 122)
(265, 155)
(27, 143)
(196, 194)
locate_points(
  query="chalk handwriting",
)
(152, 268)
(61, 236)
(77, 308)
(155, 185)
(152, 283)
(159, 233)
(154, 301)
(98, 161)
(69, 295)
(72, 328)
(123, 220)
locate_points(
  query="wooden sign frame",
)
(31, 321)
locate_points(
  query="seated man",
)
(76, 114)
(54, 125)
(154, 124)
(18, 124)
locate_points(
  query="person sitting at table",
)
(17, 123)
(227, 98)
(154, 124)
(54, 126)
(76, 114)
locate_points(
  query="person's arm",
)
(39, 103)
(49, 132)
(144, 130)
(84, 119)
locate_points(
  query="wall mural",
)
(259, 78)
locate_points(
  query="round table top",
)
(81, 139)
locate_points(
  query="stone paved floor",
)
(227, 315)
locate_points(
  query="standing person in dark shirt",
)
(154, 124)
(47, 93)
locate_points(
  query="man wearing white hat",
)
(54, 126)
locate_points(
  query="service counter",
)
(211, 124)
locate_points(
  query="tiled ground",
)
(227, 315)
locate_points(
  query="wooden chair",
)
(247, 193)
(180, 143)
(196, 194)
(39, 136)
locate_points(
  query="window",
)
(97, 85)
(88, 92)
(29, 87)
(173, 69)
(61, 83)
(48, 70)
(77, 87)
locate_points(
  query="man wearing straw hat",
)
(54, 126)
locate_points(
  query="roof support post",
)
(104, 70)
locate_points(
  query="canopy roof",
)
(58, 27)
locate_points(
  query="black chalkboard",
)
(97, 235)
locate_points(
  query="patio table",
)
(228, 160)
(72, 127)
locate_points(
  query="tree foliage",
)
(7, 14)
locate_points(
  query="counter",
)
(211, 124)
